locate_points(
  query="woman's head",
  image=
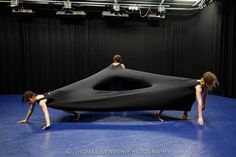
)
(209, 80)
(117, 58)
(29, 97)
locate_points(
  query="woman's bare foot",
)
(158, 115)
(186, 117)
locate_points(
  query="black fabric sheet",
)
(117, 89)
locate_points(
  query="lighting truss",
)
(161, 6)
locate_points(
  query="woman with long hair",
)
(205, 84)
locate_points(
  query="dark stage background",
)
(44, 51)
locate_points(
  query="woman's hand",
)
(200, 121)
(22, 121)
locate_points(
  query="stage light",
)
(154, 16)
(133, 7)
(70, 12)
(115, 14)
(22, 11)
(19, 9)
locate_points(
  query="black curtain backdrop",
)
(45, 52)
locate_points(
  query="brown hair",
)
(27, 95)
(208, 79)
(117, 58)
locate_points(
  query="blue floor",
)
(109, 134)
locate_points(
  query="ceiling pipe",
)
(122, 4)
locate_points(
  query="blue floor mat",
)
(136, 133)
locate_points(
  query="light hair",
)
(208, 79)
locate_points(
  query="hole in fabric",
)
(121, 84)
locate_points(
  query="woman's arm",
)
(199, 102)
(123, 66)
(44, 107)
(29, 113)
(204, 100)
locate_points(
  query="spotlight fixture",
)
(115, 14)
(19, 9)
(22, 11)
(71, 12)
(154, 16)
(133, 7)
(68, 10)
